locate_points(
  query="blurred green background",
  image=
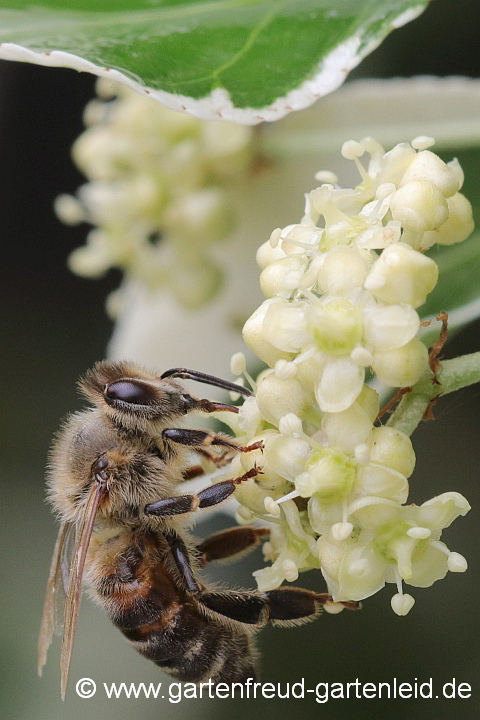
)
(53, 326)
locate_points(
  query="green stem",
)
(452, 375)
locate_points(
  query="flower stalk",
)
(452, 375)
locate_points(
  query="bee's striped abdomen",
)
(161, 620)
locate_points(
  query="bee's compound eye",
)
(130, 391)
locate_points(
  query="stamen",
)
(326, 176)
(275, 237)
(271, 506)
(290, 570)
(457, 563)
(402, 604)
(398, 580)
(341, 531)
(290, 424)
(361, 356)
(238, 364)
(422, 142)
(419, 533)
(233, 395)
(362, 454)
(290, 496)
(439, 546)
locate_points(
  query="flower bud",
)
(456, 168)
(369, 400)
(340, 385)
(336, 326)
(347, 429)
(389, 327)
(381, 481)
(253, 336)
(267, 254)
(393, 448)
(309, 371)
(276, 398)
(402, 367)
(282, 276)
(428, 166)
(343, 268)
(419, 206)
(286, 456)
(458, 226)
(93, 259)
(402, 275)
(395, 162)
(249, 417)
(285, 325)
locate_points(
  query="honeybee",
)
(113, 477)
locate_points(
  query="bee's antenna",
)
(207, 379)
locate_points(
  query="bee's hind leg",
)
(234, 542)
(283, 606)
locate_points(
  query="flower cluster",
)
(342, 290)
(156, 193)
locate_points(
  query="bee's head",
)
(133, 397)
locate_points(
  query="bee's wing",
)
(72, 601)
(54, 588)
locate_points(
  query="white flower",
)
(157, 191)
(393, 551)
(341, 298)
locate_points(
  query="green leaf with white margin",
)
(241, 60)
